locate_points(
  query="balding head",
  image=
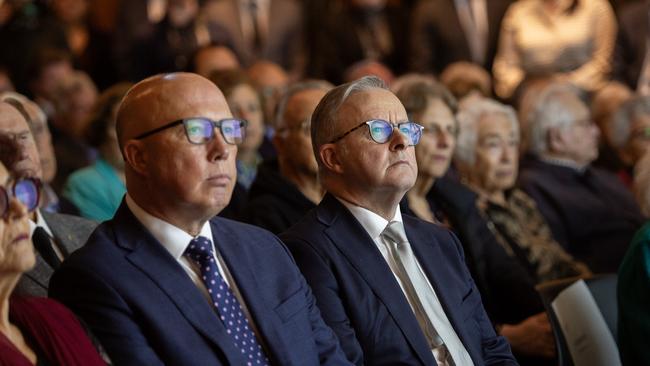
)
(161, 99)
(171, 178)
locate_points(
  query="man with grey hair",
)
(591, 214)
(395, 289)
(286, 188)
(629, 132)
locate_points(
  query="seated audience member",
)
(629, 132)
(211, 58)
(262, 30)
(74, 100)
(394, 288)
(33, 330)
(604, 105)
(464, 79)
(571, 40)
(97, 190)
(244, 102)
(435, 198)
(590, 212)
(174, 40)
(46, 71)
(634, 281)
(286, 188)
(55, 236)
(446, 31)
(37, 122)
(164, 282)
(487, 158)
(358, 30)
(368, 68)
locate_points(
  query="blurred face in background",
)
(578, 141)
(13, 126)
(182, 12)
(70, 11)
(244, 103)
(496, 154)
(293, 141)
(434, 152)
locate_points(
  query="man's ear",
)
(330, 157)
(556, 140)
(135, 156)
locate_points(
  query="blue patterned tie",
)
(224, 300)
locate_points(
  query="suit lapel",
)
(359, 249)
(41, 273)
(431, 259)
(150, 257)
(239, 266)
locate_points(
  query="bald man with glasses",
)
(164, 281)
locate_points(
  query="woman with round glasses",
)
(33, 331)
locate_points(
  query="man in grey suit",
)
(262, 29)
(55, 236)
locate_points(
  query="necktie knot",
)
(199, 249)
(394, 232)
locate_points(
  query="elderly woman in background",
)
(487, 155)
(634, 281)
(33, 331)
(567, 39)
(97, 190)
(244, 103)
(436, 198)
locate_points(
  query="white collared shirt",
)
(40, 221)
(175, 240)
(374, 226)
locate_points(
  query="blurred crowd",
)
(536, 116)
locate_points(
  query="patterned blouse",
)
(522, 231)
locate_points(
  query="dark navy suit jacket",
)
(146, 310)
(361, 300)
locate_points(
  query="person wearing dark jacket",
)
(287, 188)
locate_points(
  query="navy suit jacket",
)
(363, 303)
(146, 310)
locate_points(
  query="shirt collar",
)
(174, 239)
(565, 163)
(370, 221)
(40, 221)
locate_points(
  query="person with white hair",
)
(487, 158)
(634, 280)
(590, 212)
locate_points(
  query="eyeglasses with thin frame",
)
(26, 190)
(381, 131)
(200, 130)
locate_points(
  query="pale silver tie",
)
(414, 283)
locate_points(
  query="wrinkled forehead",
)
(10, 119)
(370, 104)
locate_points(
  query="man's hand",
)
(532, 337)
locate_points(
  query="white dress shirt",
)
(374, 226)
(175, 240)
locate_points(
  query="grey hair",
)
(549, 111)
(621, 126)
(21, 102)
(294, 89)
(325, 116)
(468, 121)
(642, 183)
